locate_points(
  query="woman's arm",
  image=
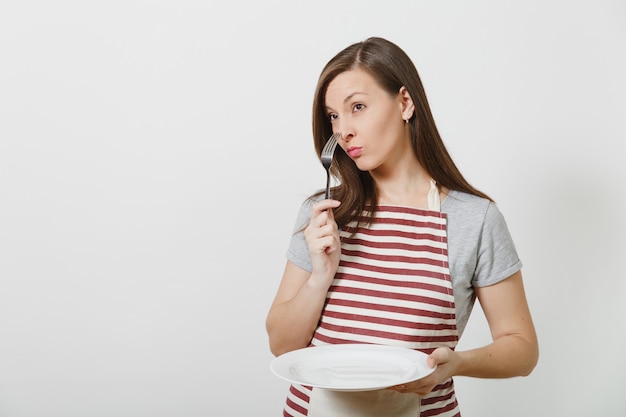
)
(513, 352)
(296, 310)
(298, 304)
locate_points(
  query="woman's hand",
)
(445, 359)
(296, 309)
(513, 352)
(322, 237)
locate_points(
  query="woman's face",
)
(369, 119)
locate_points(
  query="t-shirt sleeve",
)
(298, 251)
(497, 256)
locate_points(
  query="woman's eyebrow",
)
(348, 98)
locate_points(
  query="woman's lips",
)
(354, 151)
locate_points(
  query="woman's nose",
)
(346, 131)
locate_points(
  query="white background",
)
(153, 155)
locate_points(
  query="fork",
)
(327, 158)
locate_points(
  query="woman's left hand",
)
(446, 361)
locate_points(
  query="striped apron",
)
(392, 287)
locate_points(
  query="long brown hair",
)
(392, 68)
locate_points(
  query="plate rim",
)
(342, 348)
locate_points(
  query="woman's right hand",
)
(322, 237)
(296, 309)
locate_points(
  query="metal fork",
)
(327, 158)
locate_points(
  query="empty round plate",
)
(351, 367)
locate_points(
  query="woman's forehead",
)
(348, 84)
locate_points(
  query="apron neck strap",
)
(434, 202)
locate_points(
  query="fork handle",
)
(327, 185)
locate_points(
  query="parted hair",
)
(392, 68)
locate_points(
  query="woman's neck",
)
(408, 186)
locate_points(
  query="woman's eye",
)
(332, 116)
(358, 107)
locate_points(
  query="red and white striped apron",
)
(393, 288)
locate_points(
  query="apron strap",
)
(434, 202)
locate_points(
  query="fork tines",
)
(329, 147)
(327, 158)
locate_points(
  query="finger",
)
(438, 356)
(322, 247)
(322, 219)
(322, 242)
(410, 389)
(431, 361)
(331, 229)
(324, 205)
(319, 228)
(399, 388)
(333, 245)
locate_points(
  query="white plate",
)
(351, 367)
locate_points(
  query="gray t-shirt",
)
(481, 251)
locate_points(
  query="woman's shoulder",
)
(459, 200)
(471, 210)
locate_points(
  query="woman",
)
(400, 251)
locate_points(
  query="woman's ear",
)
(407, 106)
